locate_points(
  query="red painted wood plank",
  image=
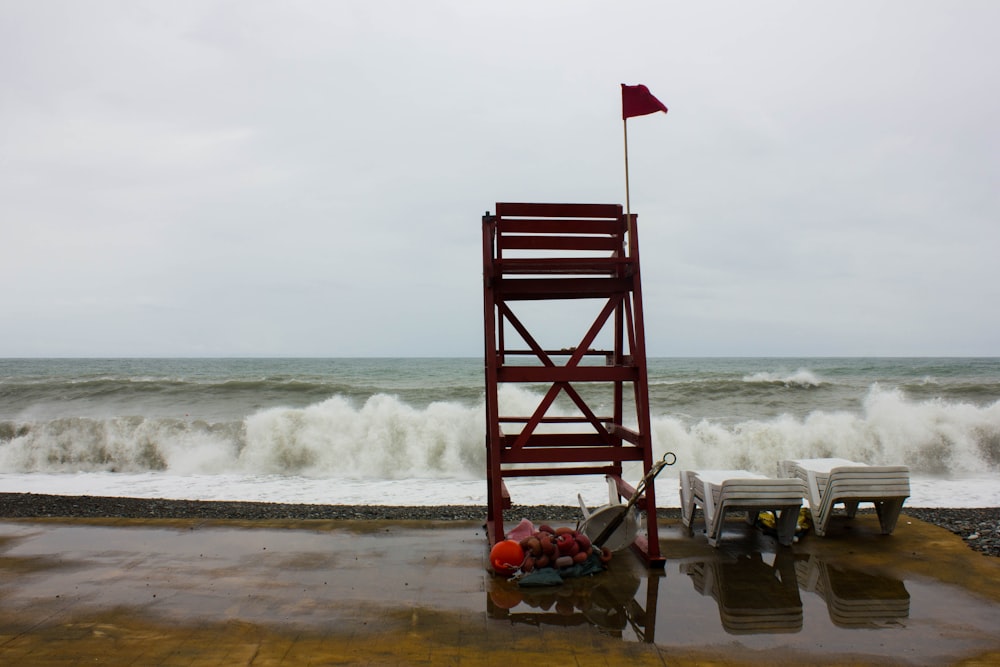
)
(570, 454)
(522, 289)
(550, 210)
(610, 227)
(542, 374)
(589, 439)
(553, 242)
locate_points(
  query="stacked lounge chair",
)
(830, 481)
(721, 491)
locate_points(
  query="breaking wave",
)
(931, 437)
(801, 378)
(385, 437)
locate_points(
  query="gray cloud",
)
(307, 178)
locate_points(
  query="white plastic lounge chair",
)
(721, 491)
(832, 481)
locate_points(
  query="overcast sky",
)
(254, 178)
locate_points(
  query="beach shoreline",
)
(978, 527)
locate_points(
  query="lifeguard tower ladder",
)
(566, 256)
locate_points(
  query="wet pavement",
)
(123, 592)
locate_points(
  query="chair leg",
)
(821, 516)
(687, 515)
(787, 520)
(888, 513)
(687, 500)
(713, 526)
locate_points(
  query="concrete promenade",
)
(192, 593)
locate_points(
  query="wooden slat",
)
(552, 472)
(557, 265)
(570, 454)
(625, 433)
(557, 353)
(568, 267)
(549, 210)
(592, 439)
(559, 288)
(540, 374)
(581, 243)
(551, 420)
(560, 226)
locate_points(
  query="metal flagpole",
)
(628, 204)
(636, 101)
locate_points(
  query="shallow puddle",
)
(814, 599)
(760, 601)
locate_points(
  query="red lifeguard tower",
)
(594, 412)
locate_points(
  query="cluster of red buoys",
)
(546, 547)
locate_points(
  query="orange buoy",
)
(506, 557)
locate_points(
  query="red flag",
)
(638, 101)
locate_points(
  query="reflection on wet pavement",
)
(820, 597)
(380, 593)
(607, 602)
(855, 599)
(754, 594)
(759, 592)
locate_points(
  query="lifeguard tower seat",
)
(575, 269)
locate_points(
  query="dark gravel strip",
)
(30, 505)
(979, 527)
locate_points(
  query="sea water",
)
(411, 431)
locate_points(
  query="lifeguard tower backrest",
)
(566, 230)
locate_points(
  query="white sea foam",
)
(803, 377)
(385, 438)
(932, 437)
(382, 449)
(980, 490)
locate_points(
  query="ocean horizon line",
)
(100, 357)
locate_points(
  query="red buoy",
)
(506, 557)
